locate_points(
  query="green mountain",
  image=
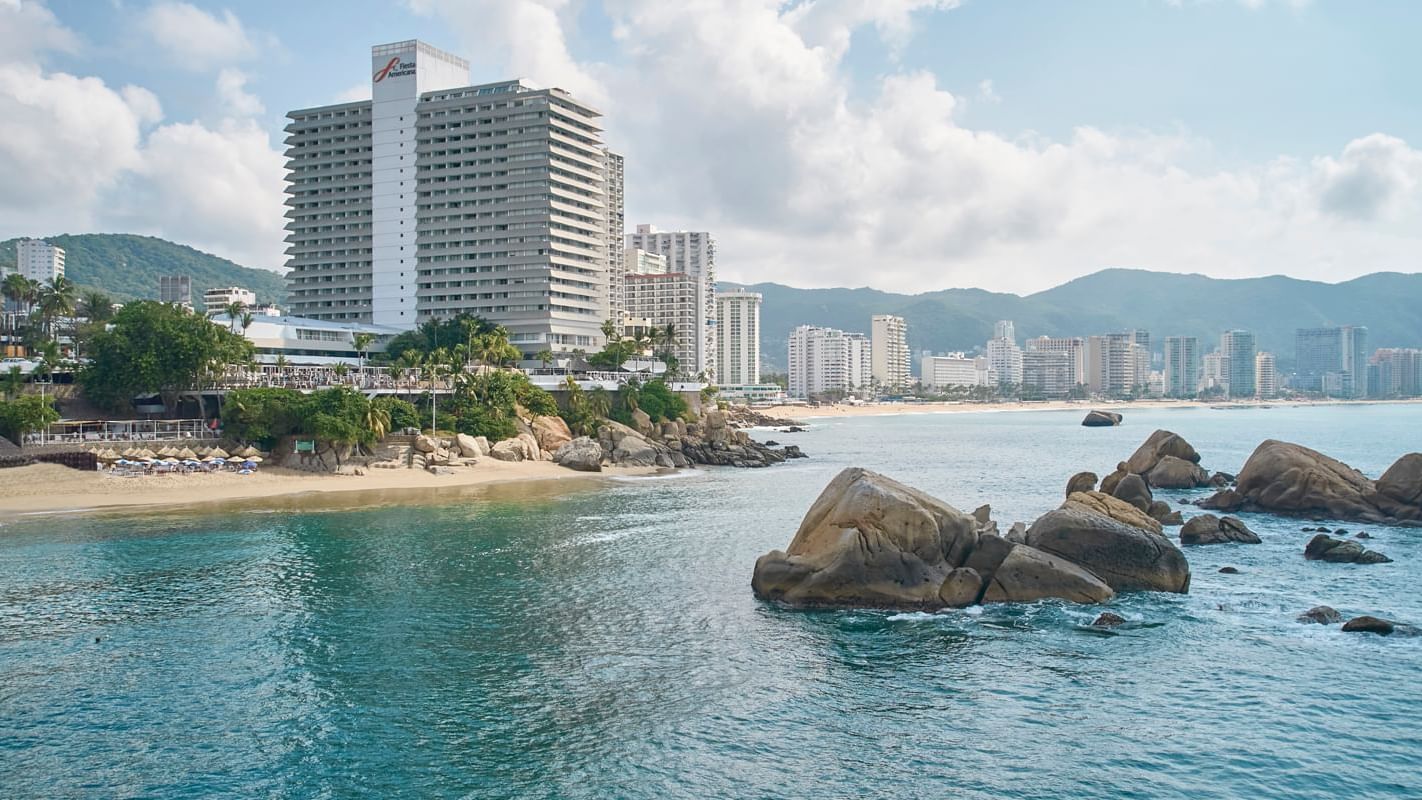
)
(127, 267)
(1165, 304)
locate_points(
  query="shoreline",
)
(45, 490)
(842, 411)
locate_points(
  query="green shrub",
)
(403, 414)
(25, 415)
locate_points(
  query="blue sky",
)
(906, 144)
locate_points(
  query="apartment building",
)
(889, 353)
(827, 361)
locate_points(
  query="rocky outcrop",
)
(1081, 482)
(1166, 461)
(508, 450)
(1382, 627)
(551, 433)
(1101, 419)
(582, 454)
(1323, 547)
(1118, 510)
(746, 417)
(1133, 489)
(625, 447)
(1126, 557)
(1321, 615)
(469, 446)
(1210, 529)
(425, 444)
(1175, 473)
(1108, 620)
(1285, 478)
(870, 541)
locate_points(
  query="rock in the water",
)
(1210, 529)
(1125, 557)
(1322, 615)
(1383, 627)
(1288, 478)
(1028, 574)
(1108, 620)
(551, 433)
(1108, 483)
(1176, 473)
(1102, 419)
(1119, 510)
(962, 588)
(1323, 547)
(1081, 482)
(1158, 445)
(870, 541)
(1133, 489)
(1017, 533)
(1229, 570)
(582, 454)
(1362, 535)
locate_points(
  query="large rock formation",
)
(1101, 419)
(1116, 509)
(1081, 482)
(870, 541)
(551, 433)
(1126, 557)
(1323, 547)
(1286, 478)
(1166, 461)
(1210, 529)
(1382, 627)
(1133, 489)
(583, 454)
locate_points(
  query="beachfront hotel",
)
(738, 337)
(889, 353)
(827, 361)
(692, 253)
(437, 197)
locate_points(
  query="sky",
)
(908, 145)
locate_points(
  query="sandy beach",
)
(800, 412)
(50, 488)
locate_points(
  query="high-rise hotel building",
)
(692, 253)
(436, 197)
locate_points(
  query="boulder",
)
(1382, 627)
(1210, 529)
(1116, 509)
(482, 442)
(551, 433)
(1322, 615)
(1108, 483)
(508, 450)
(582, 454)
(1156, 447)
(1133, 489)
(1176, 473)
(1081, 482)
(1028, 574)
(468, 448)
(1226, 500)
(1290, 478)
(868, 540)
(962, 588)
(531, 450)
(1323, 547)
(1398, 493)
(1101, 419)
(424, 444)
(1108, 620)
(642, 422)
(1229, 570)
(1125, 557)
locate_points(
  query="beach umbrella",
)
(203, 452)
(127, 453)
(187, 453)
(218, 452)
(249, 451)
(254, 459)
(170, 460)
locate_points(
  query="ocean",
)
(603, 642)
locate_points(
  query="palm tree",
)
(361, 342)
(377, 420)
(247, 320)
(97, 306)
(544, 356)
(233, 310)
(610, 331)
(56, 299)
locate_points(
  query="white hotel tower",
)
(436, 197)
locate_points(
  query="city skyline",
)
(178, 98)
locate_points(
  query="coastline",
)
(842, 410)
(47, 489)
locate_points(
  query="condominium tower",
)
(1073, 346)
(827, 361)
(888, 351)
(39, 260)
(1238, 347)
(1182, 366)
(738, 337)
(694, 253)
(437, 197)
(1266, 377)
(1331, 360)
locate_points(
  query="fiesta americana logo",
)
(394, 68)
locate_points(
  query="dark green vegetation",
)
(461, 338)
(1166, 304)
(339, 416)
(24, 415)
(156, 348)
(127, 267)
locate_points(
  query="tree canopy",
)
(25, 415)
(156, 348)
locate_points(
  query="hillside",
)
(127, 266)
(1166, 304)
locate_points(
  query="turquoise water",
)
(605, 644)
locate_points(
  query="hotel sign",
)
(394, 67)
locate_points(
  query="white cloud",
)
(195, 39)
(738, 117)
(233, 94)
(987, 93)
(29, 29)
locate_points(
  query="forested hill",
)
(127, 267)
(1166, 304)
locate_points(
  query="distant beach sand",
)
(882, 409)
(50, 488)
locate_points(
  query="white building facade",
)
(937, 373)
(827, 361)
(216, 301)
(673, 299)
(1074, 347)
(436, 198)
(1266, 376)
(1005, 359)
(738, 338)
(889, 353)
(39, 260)
(1182, 366)
(692, 252)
